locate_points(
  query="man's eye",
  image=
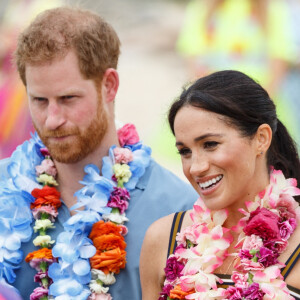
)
(210, 144)
(184, 151)
(67, 97)
(39, 99)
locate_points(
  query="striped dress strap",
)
(176, 226)
(290, 263)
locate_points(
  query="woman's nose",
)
(200, 164)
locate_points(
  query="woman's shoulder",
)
(154, 255)
(160, 229)
(291, 257)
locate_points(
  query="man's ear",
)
(110, 85)
(263, 138)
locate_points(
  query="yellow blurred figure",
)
(252, 36)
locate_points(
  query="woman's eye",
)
(184, 151)
(210, 145)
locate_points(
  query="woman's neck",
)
(261, 181)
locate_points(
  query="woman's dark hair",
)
(246, 105)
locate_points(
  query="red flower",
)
(46, 196)
(263, 223)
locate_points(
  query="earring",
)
(261, 153)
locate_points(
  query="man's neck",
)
(69, 175)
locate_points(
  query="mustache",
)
(59, 133)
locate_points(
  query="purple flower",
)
(39, 276)
(45, 151)
(267, 257)
(38, 293)
(286, 228)
(42, 278)
(173, 268)
(165, 292)
(118, 199)
(35, 263)
(276, 247)
(270, 245)
(245, 254)
(114, 178)
(253, 292)
(234, 293)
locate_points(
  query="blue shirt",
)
(158, 193)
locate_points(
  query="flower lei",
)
(264, 232)
(91, 249)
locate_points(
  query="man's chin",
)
(67, 157)
(66, 153)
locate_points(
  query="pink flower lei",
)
(264, 230)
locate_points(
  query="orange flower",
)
(178, 293)
(102, 227)
(39, 254)
(46, 196)
(109, 241)
(109, 261)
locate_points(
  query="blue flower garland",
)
(72, 274)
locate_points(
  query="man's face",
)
(66, 109)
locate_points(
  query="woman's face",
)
(221, 165)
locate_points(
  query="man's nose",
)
(55, 116)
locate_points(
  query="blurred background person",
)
(291, 82)
(252, 36)
(15, 122)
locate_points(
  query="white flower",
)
(42, 239)
(97, 288)
(47, 180)
(107, 279)
(116, 218)
(43, 224)
(122, 172)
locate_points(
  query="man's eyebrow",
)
(71, 91)
(31, 95)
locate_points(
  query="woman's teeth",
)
(210, 183)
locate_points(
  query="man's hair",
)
(55, 32)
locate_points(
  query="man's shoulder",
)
(165, 179)
(165, 174)
(3, 167)
(166, 191)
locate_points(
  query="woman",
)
(232, 148)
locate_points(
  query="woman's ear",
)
(263, 138)
(110, 85)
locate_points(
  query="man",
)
(67, 60)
